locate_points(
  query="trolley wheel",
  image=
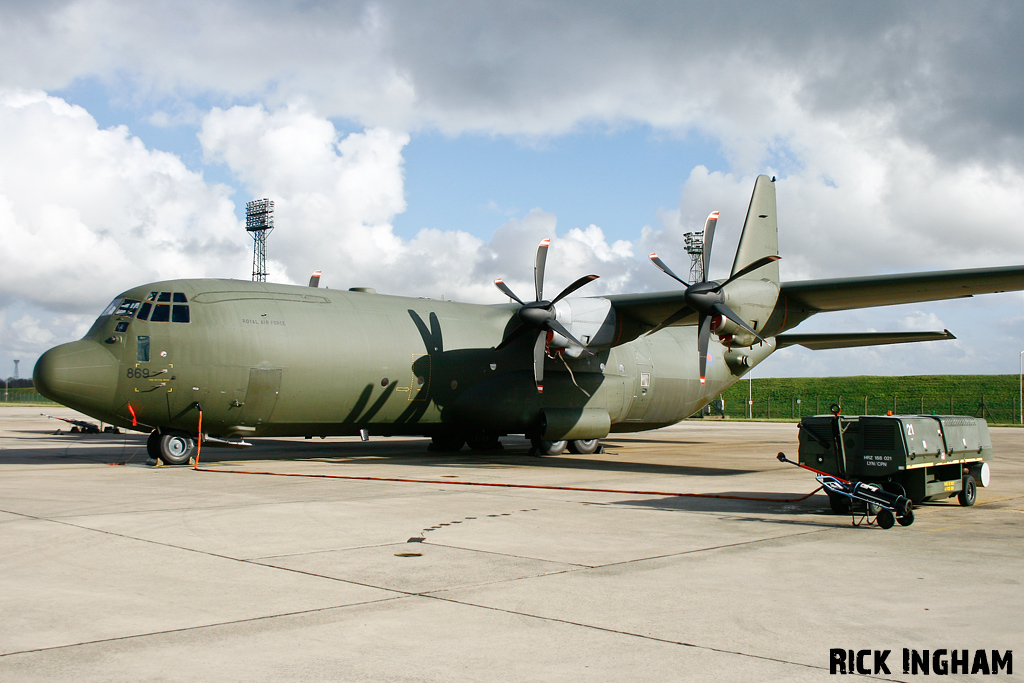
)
(840, 504)
(585, 446)
(885, 519)
(969, 493)
(542, 447)
(907, 519)
(174, 447)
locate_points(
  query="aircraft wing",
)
(843, 340)
(650, 308)
(885, 290)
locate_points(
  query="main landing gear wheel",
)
(173, 447)
(541, 447)
(969, 493)
(585, 446)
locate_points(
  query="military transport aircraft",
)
(250, 359)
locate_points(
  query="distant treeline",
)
(994, 397)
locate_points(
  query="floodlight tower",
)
(16, 369)
(695, 248)
(259, 222)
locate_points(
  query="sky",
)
(424, 149)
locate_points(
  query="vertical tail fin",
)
(760, 233)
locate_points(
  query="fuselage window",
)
(127, 307)
(142, 355)
(164, 296)
(179, 298)
(144, 311)
(179, 314)
(161, 314)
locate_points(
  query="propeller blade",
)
(515, 334)
(500, 284)
(763, 261)
(724, 310)
(573, 287)
(314, 279)
(538, 360)
(709, 237)
(678, 315)
(665, 269)
(703, 336)
(558, 327)
(538, 271)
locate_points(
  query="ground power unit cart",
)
(921, 457)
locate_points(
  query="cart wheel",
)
(969, 493)
(885, 519)
(907, 519)
(840, 504)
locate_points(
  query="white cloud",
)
(80, 206)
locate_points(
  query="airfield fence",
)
(22, 395)
(993, 397)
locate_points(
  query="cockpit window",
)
(152, 296)
(127, 307)
(179, 314)
(144, 311)
(109, 310)
(164, 296)
(161, 314)
(179, 298)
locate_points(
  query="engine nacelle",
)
(731, 334)
(591, 320)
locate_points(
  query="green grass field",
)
(994, 397)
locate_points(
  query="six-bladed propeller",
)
(539, 315)
(707, 298)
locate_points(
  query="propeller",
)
(539, 315)
(707, 298)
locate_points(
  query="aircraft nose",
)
(81, 375)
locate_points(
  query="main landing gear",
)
(172, 446)
(579, 446)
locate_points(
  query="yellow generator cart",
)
(923, 457)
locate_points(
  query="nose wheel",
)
(171, 446)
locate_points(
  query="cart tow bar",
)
(893, 507)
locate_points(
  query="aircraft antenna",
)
(259, 222)
(695, 248)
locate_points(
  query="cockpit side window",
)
(109, 310)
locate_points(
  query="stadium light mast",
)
(695, 248)
(259, 222)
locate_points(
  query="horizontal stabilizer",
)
(818, 342)
(886, 290)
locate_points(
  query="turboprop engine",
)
(590, 320)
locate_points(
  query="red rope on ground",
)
(513, 486)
